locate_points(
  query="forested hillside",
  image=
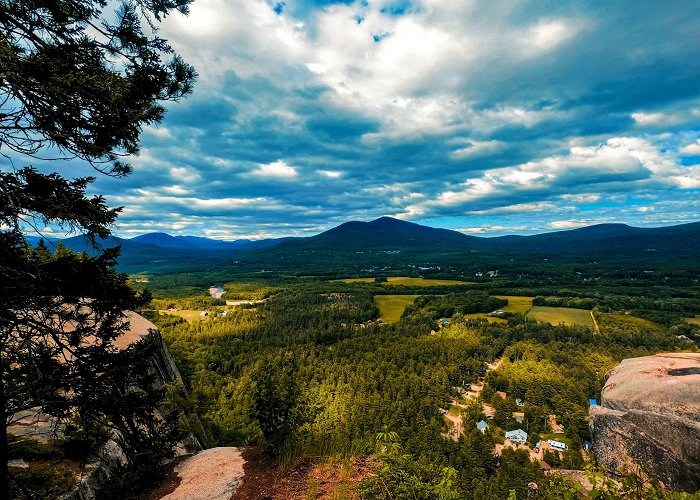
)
(310, 374)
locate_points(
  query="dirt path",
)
(595, 323)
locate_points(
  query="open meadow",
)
(557, 315)
(406, 281)
(391, 307)
(516, 304)
(188, 314)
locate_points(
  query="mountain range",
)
(387, 234)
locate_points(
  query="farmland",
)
(355, 280)
(391, 307)
(694, 321)
(188, 314)
(406, 281)
(516, 304)
(561, 315)
(402, 280)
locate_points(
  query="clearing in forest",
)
(491, 319)
(694, 321)
(187, 314)
(406, 281)
(557, 315)
(516, 304)
(391, 307)
(355, 280)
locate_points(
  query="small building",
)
(593, 402)
(461, 390)
(489, 411)
(518, 436)
(445, 322)
(204, 314)
(519, 416)
(502, 394)
(557, 445)
(482, 425)
(587, 446)
(519, 402)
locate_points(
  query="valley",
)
(342, 382)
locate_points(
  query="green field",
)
(491, 319)
(694, 321)
(355, 280)
(402, 280)
(517, 305)
(391, 307)
(557, 315)
(188, 314)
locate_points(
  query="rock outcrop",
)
(111, 458)
(649, 418)
(214, 474)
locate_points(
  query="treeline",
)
(446, 306)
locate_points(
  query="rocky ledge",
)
(213, 474)
(649, 418)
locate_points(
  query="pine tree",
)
(75, 83)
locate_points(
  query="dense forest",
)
(311, 374)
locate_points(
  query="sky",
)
(489, 118)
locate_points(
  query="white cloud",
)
(571, 223)
(692, 148)
(333, 174)
(276, 169)
(184, 174)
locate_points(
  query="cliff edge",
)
(649, 418)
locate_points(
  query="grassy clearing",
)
(694, 321)
(391, 307)
(188, 314)
(517, 305)
(634, 321)
(557, 315)
(355, 280)
(402, 280)
(491, 319)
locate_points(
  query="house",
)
(502, 394)
(445, 322)
(489, 411)
(519, 402)
(204, 314)
(482, 425)
(519, 416)
(587, 446)
(461, 390)
(556, 445)
(518, 436)
(593, 402)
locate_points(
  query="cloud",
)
(571, 224)
(276, 169)
(494, 116)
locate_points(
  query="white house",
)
(482, 426)
(557, 445)
(518, 436)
